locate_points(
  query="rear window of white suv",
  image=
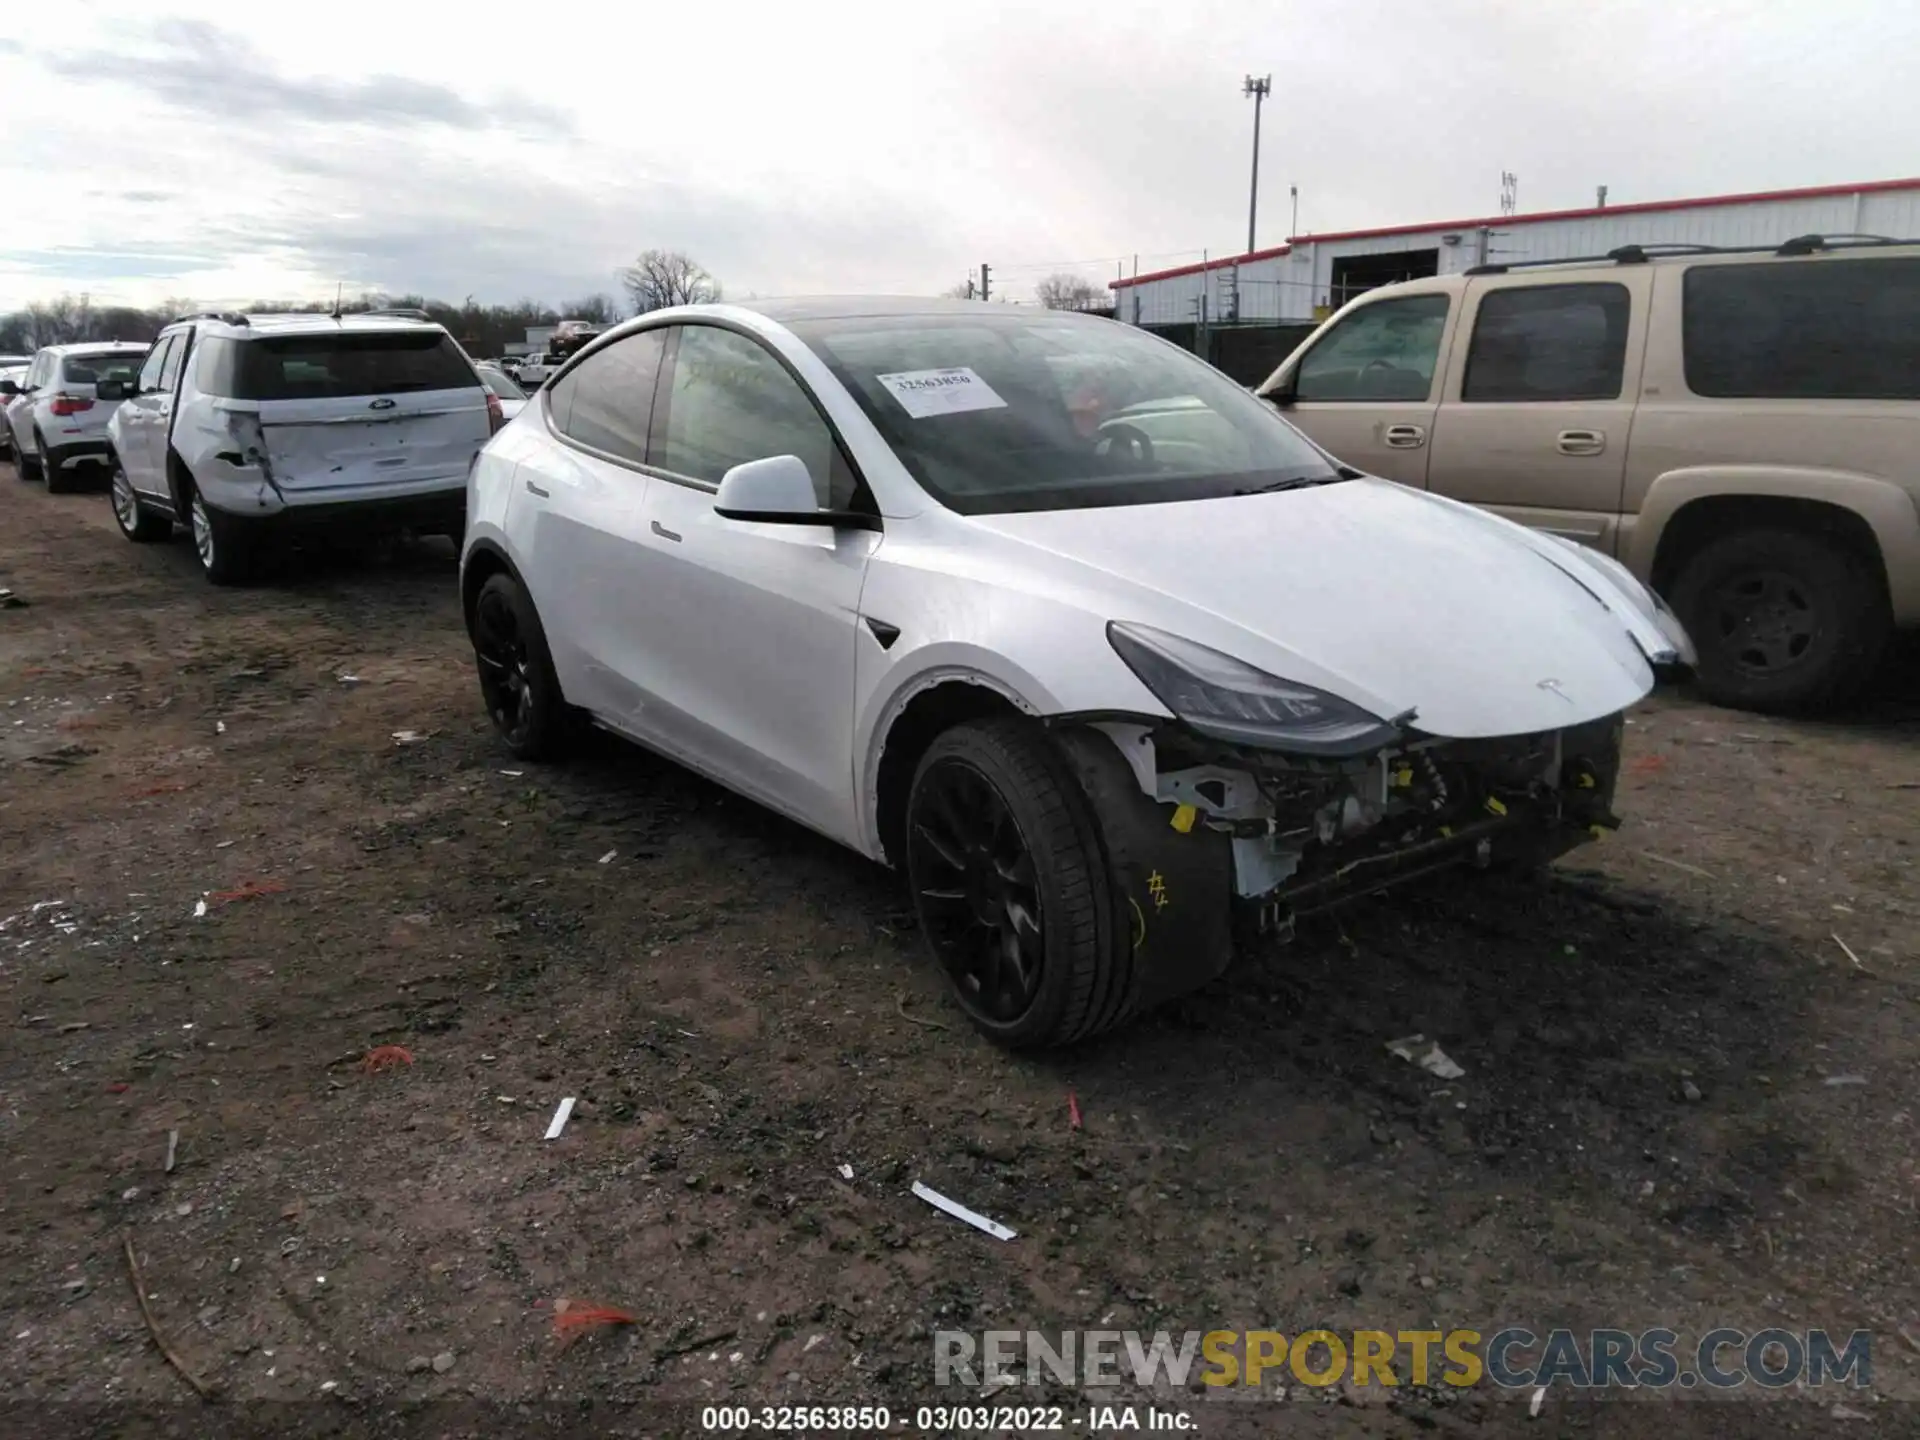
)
(324, 367)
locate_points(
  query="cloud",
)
(869, 147)
(199, 67)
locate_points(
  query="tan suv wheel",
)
(1785, 622)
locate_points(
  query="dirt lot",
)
(1684, 1104)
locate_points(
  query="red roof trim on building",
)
(1813, 192)
(1273, 254)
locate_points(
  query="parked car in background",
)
(919, 576)
(500, 385)
(57, 414)
(1740, 427)
(17, 374)
(251, 427)
(535, 371)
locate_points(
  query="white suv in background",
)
(57, 416)
(249, 427)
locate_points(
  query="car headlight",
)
(1230, 700)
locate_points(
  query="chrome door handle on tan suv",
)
(1406, 437)
(1581, 442)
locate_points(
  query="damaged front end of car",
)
(1262, 801)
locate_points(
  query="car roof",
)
(240, 326)
(848, 307)
(97, 347)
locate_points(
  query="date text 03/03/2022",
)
(941, 1419)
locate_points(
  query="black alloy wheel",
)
(517, 681)
(978, 892)
(505, 666)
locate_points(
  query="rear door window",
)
(326, 367)
(1548, 342)
(1803, 330)
(606, 401)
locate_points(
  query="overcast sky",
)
(229, 152)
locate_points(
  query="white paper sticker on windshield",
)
(922, 393)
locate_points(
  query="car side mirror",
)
(1281, 391)
(112, 390)
(779, 491)
(9, 388)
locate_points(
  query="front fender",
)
(942, 663)
(1889, 510)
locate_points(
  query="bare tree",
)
(660, 278)
(1068, 292)
(959, 290)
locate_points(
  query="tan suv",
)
(1741, 428)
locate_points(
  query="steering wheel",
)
(1139, 444)
(1373, 365)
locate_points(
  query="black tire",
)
(137, 522)
(228, 547)
(998, 831)
(59, 481)
(515, 668)
(1786, 623)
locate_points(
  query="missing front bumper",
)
(1188, 873)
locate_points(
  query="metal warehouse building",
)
(1309, 278)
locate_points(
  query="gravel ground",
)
(1684, 1103)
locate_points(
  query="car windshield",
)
(499, 386)
(1036, 411)
(122, 365)
(329, 366)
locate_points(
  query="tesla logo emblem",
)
(1554, 686)
(382, 404)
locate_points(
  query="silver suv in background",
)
(57, 415)
(248, 428)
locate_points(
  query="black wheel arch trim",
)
(470, 588)
(1174, 890)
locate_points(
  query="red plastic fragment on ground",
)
(385, 1057)
(1073, 1112)
(171, 787)
(119, 1087)
(574, 1321)
(248, 890)
(1647, 764)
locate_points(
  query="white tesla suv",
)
(1052, 616)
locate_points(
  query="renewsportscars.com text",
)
(1513, 1358)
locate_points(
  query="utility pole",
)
(1293, 191)
(1259, 90)
(986, 290)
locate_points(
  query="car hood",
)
(1388, 597)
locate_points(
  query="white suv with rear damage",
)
(250, 428)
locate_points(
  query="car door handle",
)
(1581, 442)
(1406, 437)
(664, 533)
(535, 489)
